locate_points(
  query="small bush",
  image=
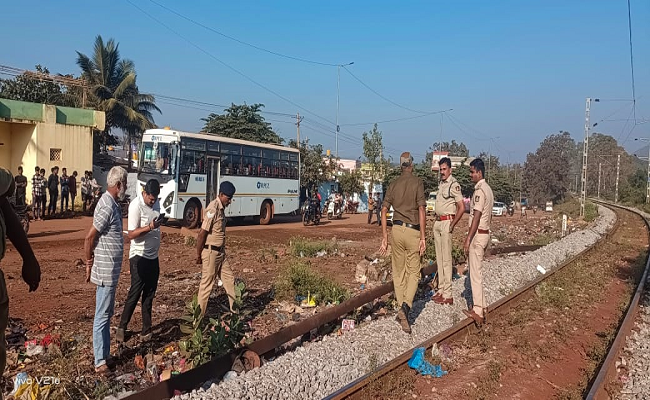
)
(457, 253)
(543, 239)
(299, 279)
(591, 211)
(303, 247)
(190, 241)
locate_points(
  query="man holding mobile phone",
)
(144, 231)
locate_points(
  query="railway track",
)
(268, 346)
(598, 384)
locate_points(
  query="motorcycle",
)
(511, 211)
(334, 210)
(97, 194)
(310, 212)
(327, 205)
(22, 211)
(351, 207)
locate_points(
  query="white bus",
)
(190, 167)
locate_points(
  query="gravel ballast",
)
(637, 351)
(319, 368)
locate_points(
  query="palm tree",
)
(113, 89)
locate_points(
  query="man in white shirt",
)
(144, 232)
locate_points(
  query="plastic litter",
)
(418, 363)
(309, 302)
(229, 375)
(347, 325)
(541, 269)
(321, 253)
(34, 350)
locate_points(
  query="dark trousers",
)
(64, 197)
(72, 197)
(370, 212)
(379, 216)
(51, 209)
(144, 282)
(20, 199)
(43, 203)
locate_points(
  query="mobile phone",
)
(161, 218)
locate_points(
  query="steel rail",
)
(607, 370)
(464, 327)
(267, 346)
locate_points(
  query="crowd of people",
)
(54, 186)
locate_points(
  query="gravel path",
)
(320, 368)
(637, 352)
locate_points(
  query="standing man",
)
(406, 195)
(11, 227)
(211, 248)
(43, 192)
(478, 237)
(21, 187)
(53, 188)
(378, 207)
(371, 207)
(144, 233)
(104, 247)
(65, 189)
(84, 191)
(72, 183)
(37, 190)
(449, 210)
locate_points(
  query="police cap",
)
(227, 188)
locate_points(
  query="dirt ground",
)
(551, 345)
(64, 302)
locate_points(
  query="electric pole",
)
(647, 185)
(298, 120)
(599, 173)
(583, 192)
(618, 171)
(338, 90)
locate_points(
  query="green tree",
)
(373, 150)
(546, 172)
(242, 122)
(28, 87)
(113, 89)
(633, 190)
(350, 182)
(313, 168)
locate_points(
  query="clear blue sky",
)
(516, 70)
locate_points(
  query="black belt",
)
(213, 247)
(406, 224)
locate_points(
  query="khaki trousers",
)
(405, 256)
(215, 265)
(476, 251)
(442, 240)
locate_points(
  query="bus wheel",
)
(265, 213)
(191, 214)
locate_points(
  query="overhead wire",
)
(275, 53)
(629, 25)
(397, 119)
(235, 70)
(384, 97)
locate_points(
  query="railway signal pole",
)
(585, 148)
(618, 171)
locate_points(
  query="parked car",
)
(431, 203)
(549, 206)
(389, 216)
(499, 209)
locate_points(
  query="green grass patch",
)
(298, 278)
(303, 247)
(543, 239)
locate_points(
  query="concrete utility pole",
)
(583, 192)
(599, 173)
(298, 120)
(647, 185)
(618, 171)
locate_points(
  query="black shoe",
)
(403, 318)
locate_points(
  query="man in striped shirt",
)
(37, 192)
(104, 247)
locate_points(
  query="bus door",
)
(214, 176)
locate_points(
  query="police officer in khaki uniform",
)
(478, 237)
(371, 207)
(406, 195)
(449, 211)
(211, 246)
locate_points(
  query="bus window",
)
(192, 162)
(271, 163)
(294, 170)
(252, 161)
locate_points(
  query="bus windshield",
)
(158, 157)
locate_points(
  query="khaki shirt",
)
(214, 222)
(371, 204)
(406, 195)
(448, 195)
(482, 200)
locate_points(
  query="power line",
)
(226, 64)
(382, 96)
(398, 119)
(629, 25)
(275, 53)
